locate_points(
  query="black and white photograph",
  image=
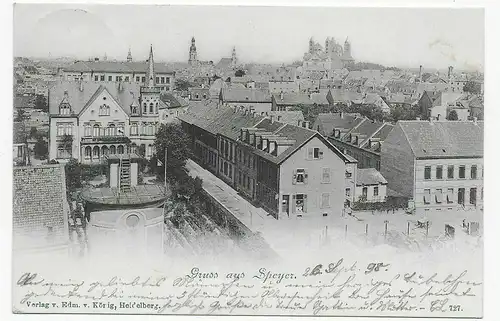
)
(248, 160)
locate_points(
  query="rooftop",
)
(138, 195)
(369, 176)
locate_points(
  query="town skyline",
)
(428, 41)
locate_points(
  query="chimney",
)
(281, 95)
(418, 118)
(450, 70)
(341, 115)
(80, 84)
(271, 118)
(420, 74)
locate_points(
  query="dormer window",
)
(64, 109)
(134, 110)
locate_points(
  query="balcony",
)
(105, 139)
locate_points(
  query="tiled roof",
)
(33, 213)
(329, 121)
(369, 176)
(365, 129)
(79, 99)
(341, 95)
(287, 117)
(293, 99)
(245, 95)
(224, 63)
(172, 101)
(384, 131)
(442, 139)
(116, 66)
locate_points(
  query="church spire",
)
(150, 72)
(129, 56)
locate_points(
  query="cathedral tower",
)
(234, 59)
(193, 59)
(129, 55)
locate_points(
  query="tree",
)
(239, 73)
(41, 148)
(33, 132)
(41, 103)
(73, 171)
(67, 143)
(182, 85)
(172, 138)
(453, 115)
(21, 116)
(472, 87)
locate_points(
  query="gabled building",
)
(438, 164)
(90, 120)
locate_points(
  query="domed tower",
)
(193, 59)
(129, 55)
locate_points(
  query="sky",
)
(403, 37)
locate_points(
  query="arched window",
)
(96, 152)
(112, 150)
(156, 108)
(120, 131)
(120, 149)
(88, 152)
(151, 106)
(104, 110)
(134, 110)
(96, 130)
(105, 150)
(112, 130)
(145, 108)
(88, 130)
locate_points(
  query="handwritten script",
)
(331, 288)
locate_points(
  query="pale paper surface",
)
(446, 282)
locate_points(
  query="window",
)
(64, 129)
(473, 195)
(300, 176)
(325, 200)
(96, 78)
(102, 77)
(88, 152)
(449, 196)
(348, 174)
(104, 110)
(137, 79)
(375, 191)
(87, 130)
(473, 172)
(96, 130)
(120, 149)
(145, 108)
(167, 79)
(151, 107)
(300, 203)
(112, 130)
(326, 175)
(157, 80)
(439, 172)
(230, 169)
(427, 196)
(143, 79)
(461, 171)
(427, 172)
(439, 196)
(451, 171)
(118, 78)
(365, 192)
(162, 80)
(110, 78)
(348, 192)
(127, 78)
(134, 129)
(314, 153)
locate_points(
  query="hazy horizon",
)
(400, 37)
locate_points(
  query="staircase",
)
(125, 175)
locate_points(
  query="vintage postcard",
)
(217, 160)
